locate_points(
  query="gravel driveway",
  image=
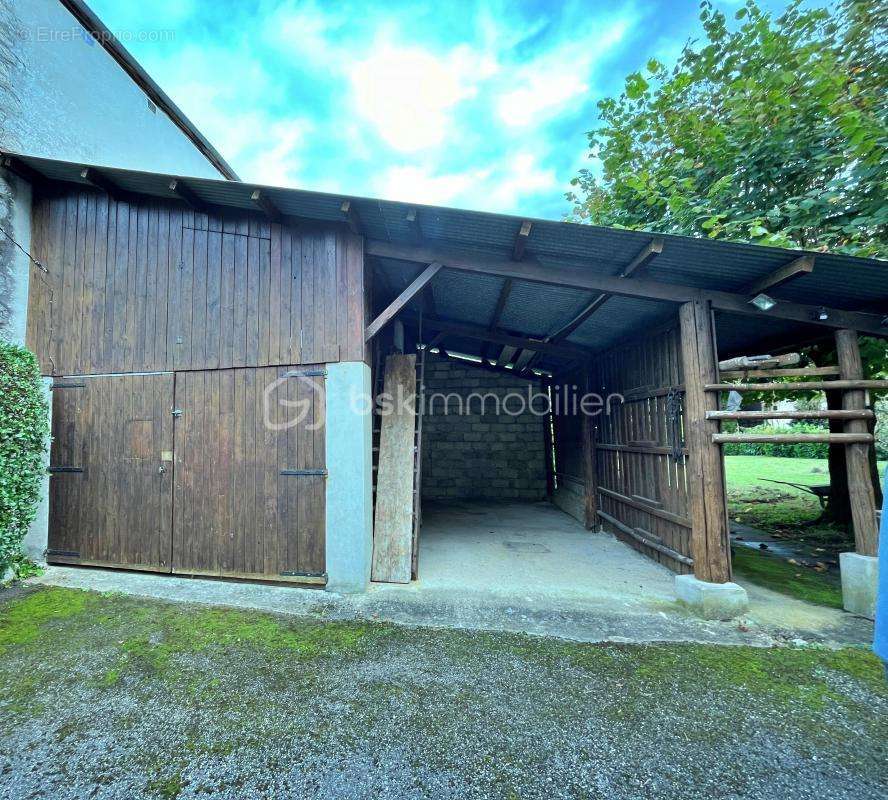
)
(106, 696)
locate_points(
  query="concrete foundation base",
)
(711, 600)
(860, 581)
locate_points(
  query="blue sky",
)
(478, 104)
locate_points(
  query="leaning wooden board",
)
(393, 526)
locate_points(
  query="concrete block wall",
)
(479, 455)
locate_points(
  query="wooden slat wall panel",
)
(154, 286)
(118, 510)
(236, 513)
(650, 480)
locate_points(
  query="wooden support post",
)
(590, 467)
(860, 485)
(706, 476)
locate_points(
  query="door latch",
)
(176, 412)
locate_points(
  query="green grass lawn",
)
(785, 513)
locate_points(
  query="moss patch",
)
(23, 618)
(780, 576)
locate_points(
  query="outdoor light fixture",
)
(822, 314)
(763, 303)
(884, 322)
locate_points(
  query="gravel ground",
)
(105, 696)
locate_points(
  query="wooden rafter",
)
(412, 220)
(18, 167)
(352, 218)
(401, 300)
(627, 287)
(521, 240)
(186, 194)
(506, 355)
(482, 334)
(649, 252)
(795, 268)
(95, 178)
(266, 205)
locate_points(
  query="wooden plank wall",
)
(117, 510)
(155, 286)
(236, 513)
(639, 483)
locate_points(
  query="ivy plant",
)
(24, 429)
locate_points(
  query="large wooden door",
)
(111, 471)
(250, 473)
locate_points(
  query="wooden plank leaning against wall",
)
(155, 286)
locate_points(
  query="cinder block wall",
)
(479, 455)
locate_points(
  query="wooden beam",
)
(412, 220)
(860, 482)
(648, 253)
(799, 266)
(26, 173)
(793, 438)
(818, 414)
(401, 300)
(95, 178)
(798, 386)
(792, 372)
(352, 218)
(590, 465)
(580, 278)
(524, 359)
(499, 337)
(705, 473)
(186, 194)
(521, 240)
(265, 204)
(566, 330)
(505, 356)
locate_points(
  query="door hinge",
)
(53, 470)
(306, 373)
(322, 472)
(68, 386)
(68, 553)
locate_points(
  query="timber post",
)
(590, 466)
(707, 501)
(860, 486)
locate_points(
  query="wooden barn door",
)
(111, 471)
(250, 474)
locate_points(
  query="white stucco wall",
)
(63, 96)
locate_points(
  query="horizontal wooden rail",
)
(634, 448)
(820, 414)
(640, 506)
(796, 386)
(793, 438)
(778, 373)
(640, 535)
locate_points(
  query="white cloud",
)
(420, 184)
(549, 82)
(409, 94)
(498, 187)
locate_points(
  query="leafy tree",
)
(772, 131)
(775, 132)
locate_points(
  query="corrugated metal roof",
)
(538, 309)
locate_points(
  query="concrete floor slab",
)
(512, 567)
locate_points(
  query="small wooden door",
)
(250, 473)
(111, 471)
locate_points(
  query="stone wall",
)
(481, 454)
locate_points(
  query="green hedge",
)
(24, 429)
(801, 450)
